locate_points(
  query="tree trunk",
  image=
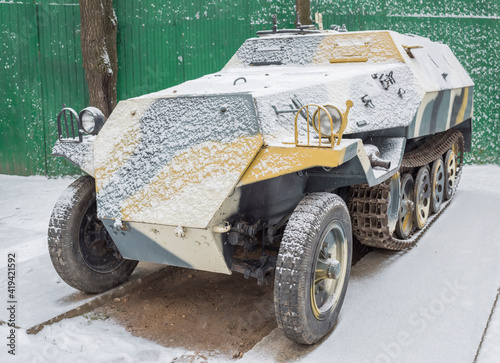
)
(304, 9)
(100, 61)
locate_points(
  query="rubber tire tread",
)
(63, 243)
(295, 262)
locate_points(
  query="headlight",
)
(92, 120)
(323, 122)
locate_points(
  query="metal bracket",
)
(387, 80)
(260, 269)
(291, 110)
(301, 29)
(367, 101)
(298, 105)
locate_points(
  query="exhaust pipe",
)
(374, 155)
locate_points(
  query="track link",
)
(368, 206)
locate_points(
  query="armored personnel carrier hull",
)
(301, 143)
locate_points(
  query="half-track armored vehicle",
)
(305, 140)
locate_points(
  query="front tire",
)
(313, 268)
(81, 250)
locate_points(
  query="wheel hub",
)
(329, 270)
(97, 249)
(407, 207)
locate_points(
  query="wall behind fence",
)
(163, 43)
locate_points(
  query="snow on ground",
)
(41, 294)
(490, 347)
(27, 203)
(431, 303)
(87, 339)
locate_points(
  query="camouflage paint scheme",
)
(171, 166)
(441, 111)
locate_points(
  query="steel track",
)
(368, 206)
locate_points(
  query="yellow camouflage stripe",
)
(125, 120)
(208, 168)
(271, 162)
(373, 46)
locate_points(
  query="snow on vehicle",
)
(303, 140)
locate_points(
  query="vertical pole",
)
(303, 7)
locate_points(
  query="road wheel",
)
(422, 196)
(394, 202)
(437, 183)
(404, 226)
(81, 250)
(313, 267)
(450, 170)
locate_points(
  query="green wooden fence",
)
(164, 42)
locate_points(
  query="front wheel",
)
(313, 268)
(81, 250)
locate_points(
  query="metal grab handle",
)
(237, 79)
(61, 117)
